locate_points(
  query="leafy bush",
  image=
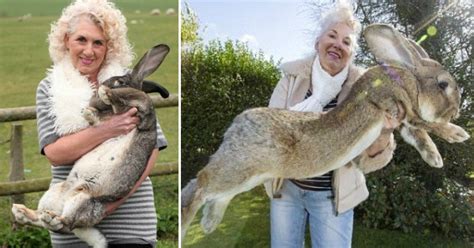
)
(165, 189)
(410, 195)
(219, 81)
(26, 237)
(402, 200)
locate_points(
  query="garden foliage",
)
(218, 81)
(409, 195)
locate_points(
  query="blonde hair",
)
(102, 13)
(340, 12)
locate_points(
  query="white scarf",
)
(325, 88)
(70, 93)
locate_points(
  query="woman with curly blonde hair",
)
(87, 45)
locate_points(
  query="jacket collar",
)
(301, 67)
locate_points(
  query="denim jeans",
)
(297, 206)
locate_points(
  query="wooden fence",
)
(18, 186)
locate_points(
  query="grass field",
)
(23, 62)
(246, 223)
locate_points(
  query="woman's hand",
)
(383, 141)
(120, 124)
(67, 149)
(380, 144)
(110, 207)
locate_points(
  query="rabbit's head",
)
(438, 95)
(146, 66)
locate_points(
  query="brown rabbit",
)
(266, 143)
(109, 171)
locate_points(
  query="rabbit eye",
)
(443, 85)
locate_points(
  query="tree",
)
(189, 26)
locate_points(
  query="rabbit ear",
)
(389, 46)
(149, 62)
(150, 86)
(420, 52)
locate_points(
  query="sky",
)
(282, 29)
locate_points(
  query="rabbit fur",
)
(109, 171)
(266, 143)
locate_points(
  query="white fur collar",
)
(70, 93)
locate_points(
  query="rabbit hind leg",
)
(49, 209)
(214, 209)
(83, 210)
(24, 215)
(46, 219)
(189, 211)
(213, 213)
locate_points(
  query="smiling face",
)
(87, 47)
(335, 48)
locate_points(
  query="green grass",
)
(247, 224)
(16, 8)
(24, 59)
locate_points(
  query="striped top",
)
(323, 182)
(133, 222)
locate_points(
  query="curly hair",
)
(106, 16)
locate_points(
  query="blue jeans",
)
(296, 206)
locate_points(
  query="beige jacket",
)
(348, 182)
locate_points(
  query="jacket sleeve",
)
(280, 93)
(369, 164)
(278, 100)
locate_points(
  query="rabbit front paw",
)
(90, 115)
(453, 133)
(102, 92)
(432, 157)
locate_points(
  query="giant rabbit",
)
(109, 171)
(266, 143)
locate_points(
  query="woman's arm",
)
(109, 208)
(69, 148)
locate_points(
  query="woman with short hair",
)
(317, 84)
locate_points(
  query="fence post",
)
(16, 159)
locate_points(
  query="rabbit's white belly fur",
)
(105, 158)
(370, 136)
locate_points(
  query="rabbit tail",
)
(91, 236)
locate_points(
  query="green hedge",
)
(218, 81)
(26, 237)
(410, 196)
